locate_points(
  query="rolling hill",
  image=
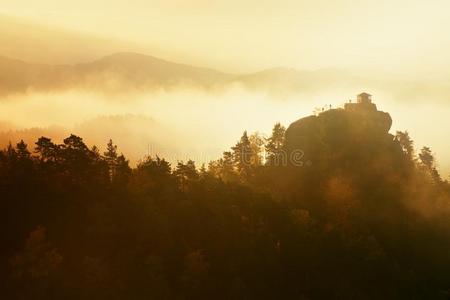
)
(127, 72)
(121, 71)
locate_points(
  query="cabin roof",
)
(364, 94)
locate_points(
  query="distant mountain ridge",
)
(110, 73)
(128, 71)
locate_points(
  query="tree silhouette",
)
(406, 143)
(46, 149)
(274, 144)
(111, 158)
(185, 173)
(22, 150)
(242, 156)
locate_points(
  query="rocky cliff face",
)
(356, 137)
(349, 162)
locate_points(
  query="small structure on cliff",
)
(364, 98)
(363, 102)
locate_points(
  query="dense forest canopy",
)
(332, 207)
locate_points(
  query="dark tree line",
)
(81, 224)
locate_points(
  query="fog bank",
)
(188, 123)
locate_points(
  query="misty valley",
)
(224, 150)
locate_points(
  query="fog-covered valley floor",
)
(195, 124)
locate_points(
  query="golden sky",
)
(235, 35)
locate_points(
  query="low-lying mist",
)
(194, 124)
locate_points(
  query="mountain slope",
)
(138, 70)
(110, 73)
(131, 71)
(126, 71)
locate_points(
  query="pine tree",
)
(111, 158)
(257, 145)
(185, 172)
(406, 143)
(274, 145)
(46, 149)
(427, 161)
(122, 171)
(242, 155)
(22, 150)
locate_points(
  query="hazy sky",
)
(235, 35)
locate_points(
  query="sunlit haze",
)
(395, 36)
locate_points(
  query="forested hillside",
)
(333, 207)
